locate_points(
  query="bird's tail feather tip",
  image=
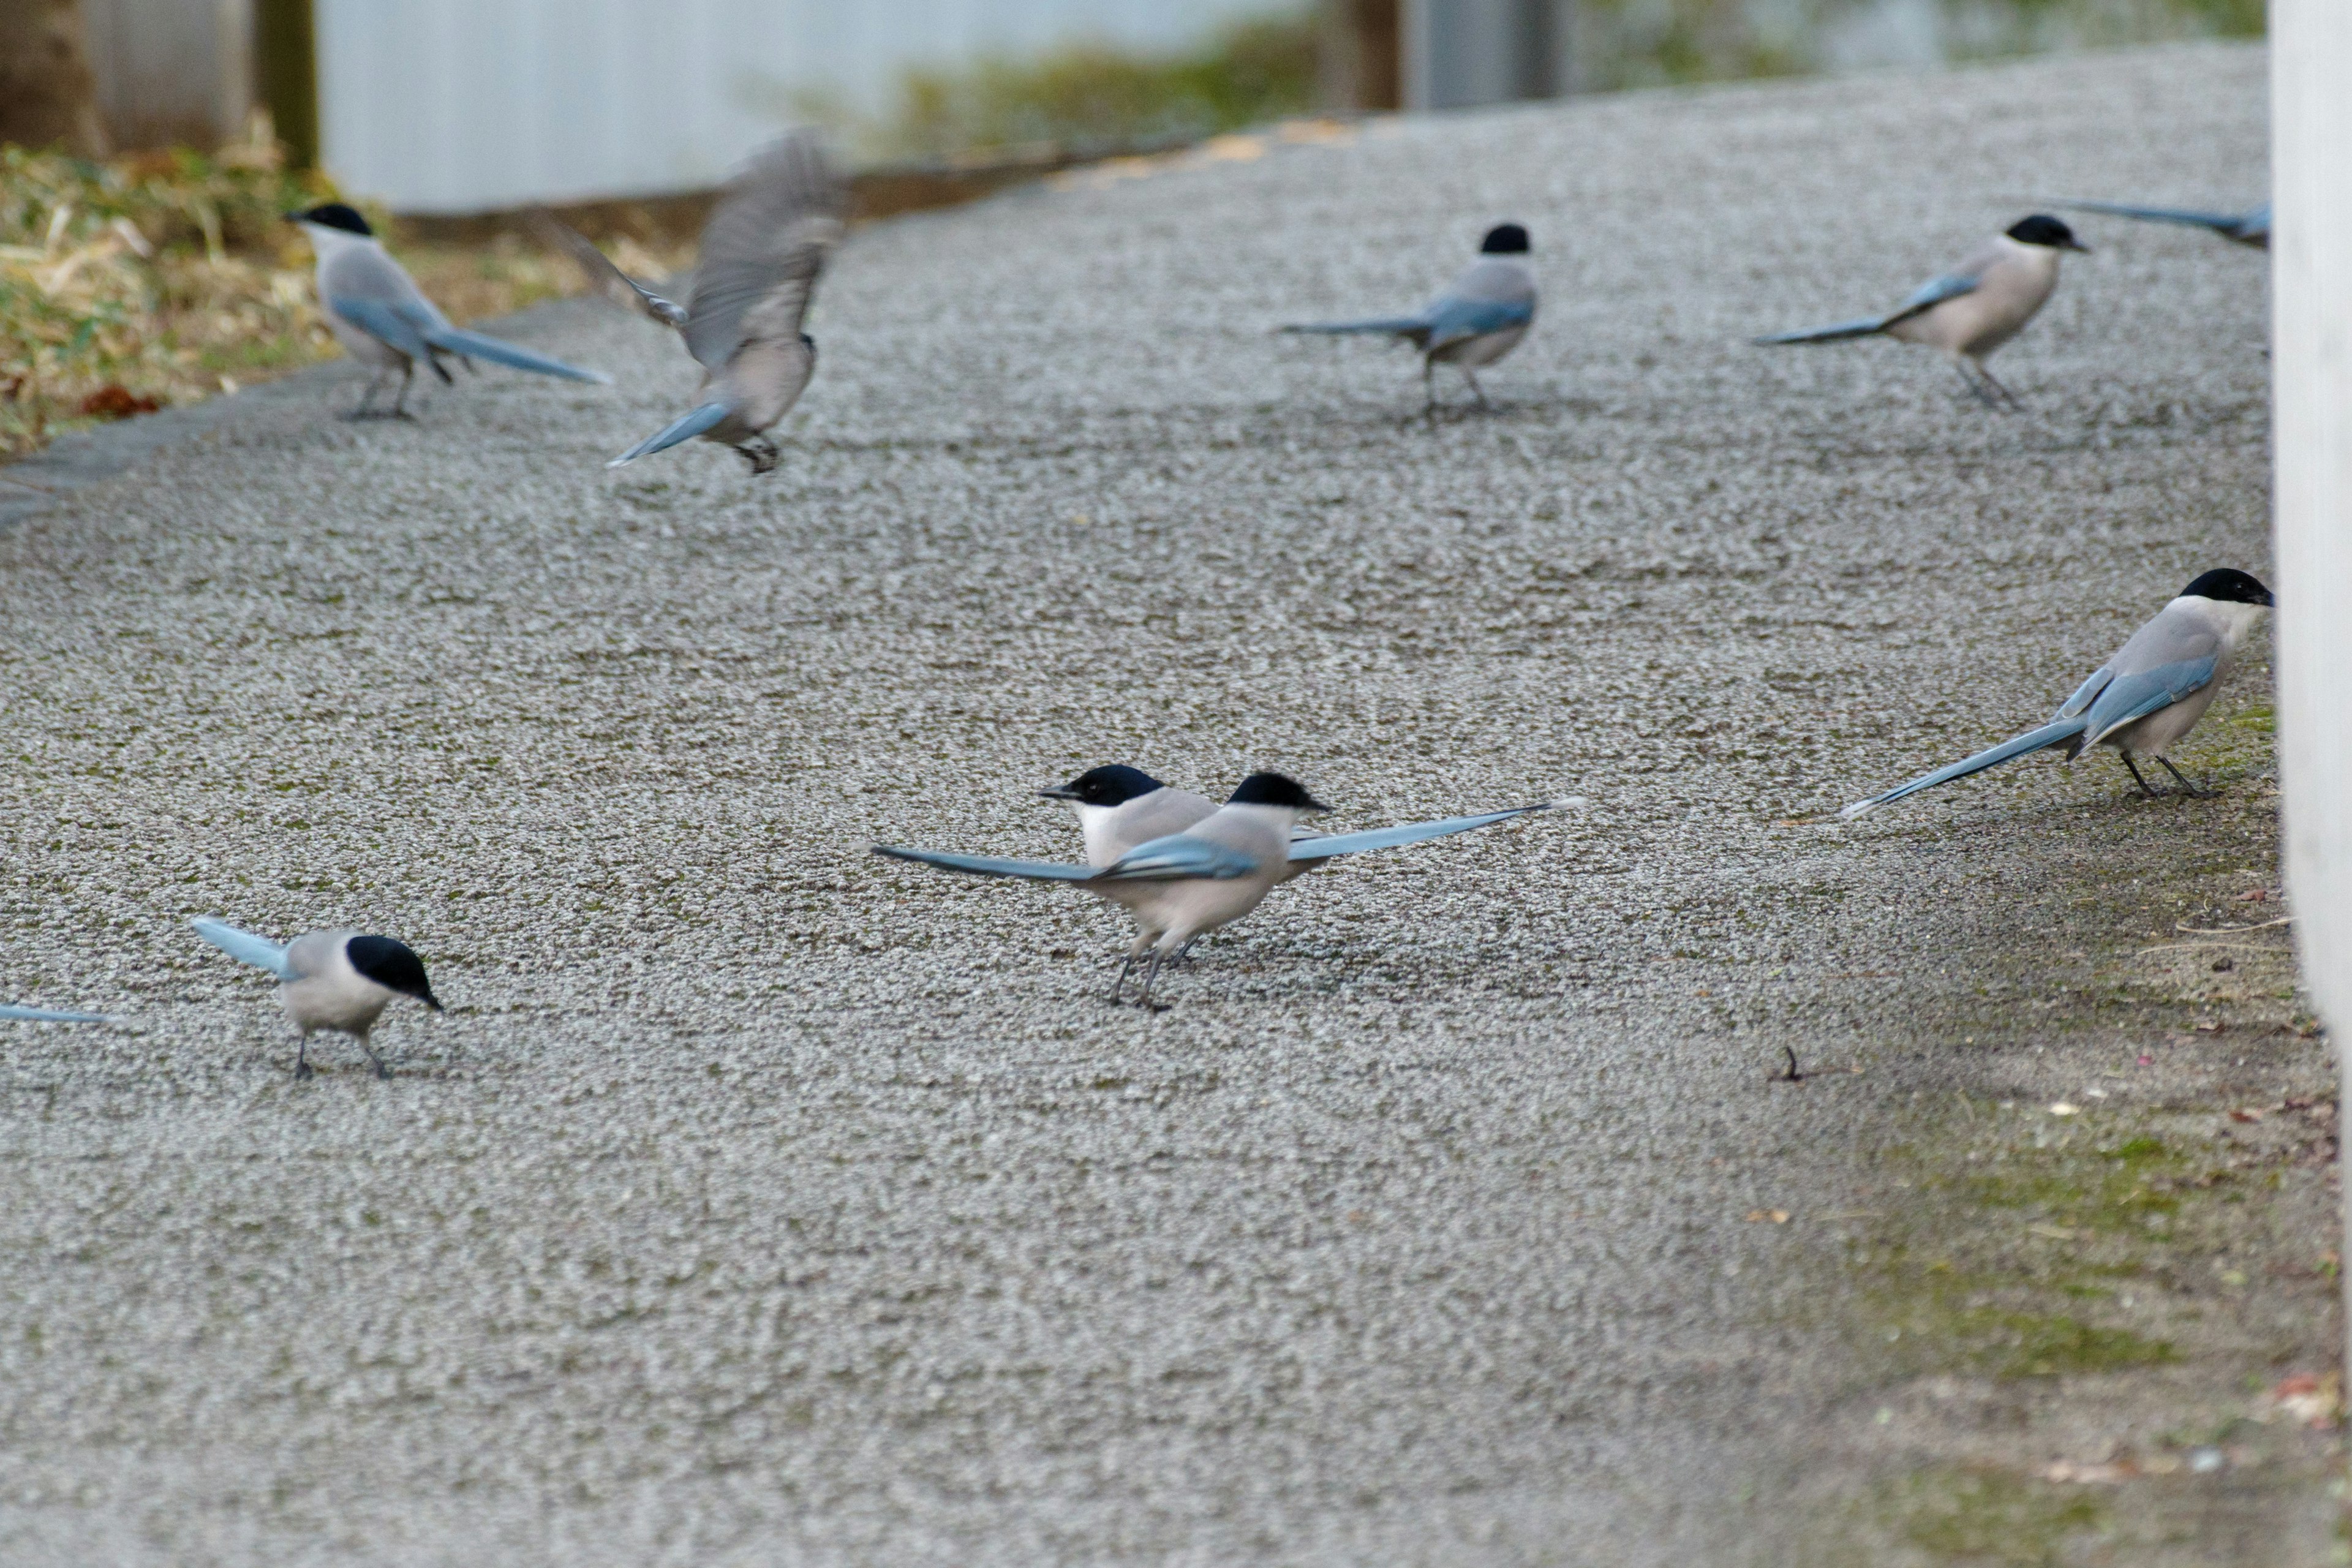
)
(1859, 808)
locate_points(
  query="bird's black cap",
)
(1273, 789)
(1113, 785)
(1504, 239)
(2228, 585)
(393, 966)
(2043, 230)
(333, 214)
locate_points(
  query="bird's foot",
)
(384, 1071)
(362, 415)
(303, 1070)
(761, 453)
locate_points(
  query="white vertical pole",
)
(2311, 349)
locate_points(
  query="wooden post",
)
(1358, 64)
(47, 95)
(2311, 370)
(286, 72)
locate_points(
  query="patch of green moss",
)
(1987, 1518)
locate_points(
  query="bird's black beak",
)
(1058, 792)
(1313, 804)
(2078, 244)
(291, 218)
(2267, 601)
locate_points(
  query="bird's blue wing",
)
(382, 320)
(19, 1014)
(1452, 319)
(1324, 847)
(1932, 293)
(458, 340)
(2130, 696)
(2086, 693)
(683, 428)
(1177, 857)
(245, 947)
(990, 865)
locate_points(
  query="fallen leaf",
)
(116, 401)
(2245, 1113)
(2253, 896)
(1765, 1216)
(2063, 1109)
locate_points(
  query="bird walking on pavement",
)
(2146, 699)
(762, 252)
(1180, 885)
(385, 322)
(1480, 317)
(339, 980)
(1972, 309)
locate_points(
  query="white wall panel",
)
(467, 105)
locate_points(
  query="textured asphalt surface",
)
(761, 1201)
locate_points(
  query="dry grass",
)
(163, 278)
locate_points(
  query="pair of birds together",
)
(762, 252)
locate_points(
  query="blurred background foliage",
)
(159, 277)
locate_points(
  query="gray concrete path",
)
(761, 1202)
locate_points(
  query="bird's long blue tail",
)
(18, 1014)
(458, 340)
(1392, 326)
(243, 946)
(2055, 733)
(684, 428)
(1867, 326)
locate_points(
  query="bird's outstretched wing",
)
(2130, 696)
(2248, 227)
(764, 250)
(20, 1014)
(245, 947)
(990, 865)
(1324, 847)
(604, 275)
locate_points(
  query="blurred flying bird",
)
(762, 252)
(385, 322)
(340, 980)
(2245, 228)
(1481, 317)
(14, 1013)
(1975, 308)
(2144, 699)
(1177, 886)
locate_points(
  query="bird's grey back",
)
(363, 273)
(2174, 635)
(1493, 279)
(764, 250)
(315, 954)
(1160, 813)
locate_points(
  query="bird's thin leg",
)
(1967, 369)
(367, 396)
(1429, 387)
(1993, 381)
(1475, 390)
(302, 1057)
(2135, 774)
(380, 1070)
(1150, 974)
(1127, 967)
(1184, 953)
(400, 404)
(2186, 788)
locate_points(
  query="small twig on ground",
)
(2230, 930)
(1792, 1075)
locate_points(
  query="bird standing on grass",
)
(341, 980)
(385, 321)
(2252, 228)
(1210, 874)
(762, 252)
(2146, 699)
(1481, 317)
(1973, 309)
